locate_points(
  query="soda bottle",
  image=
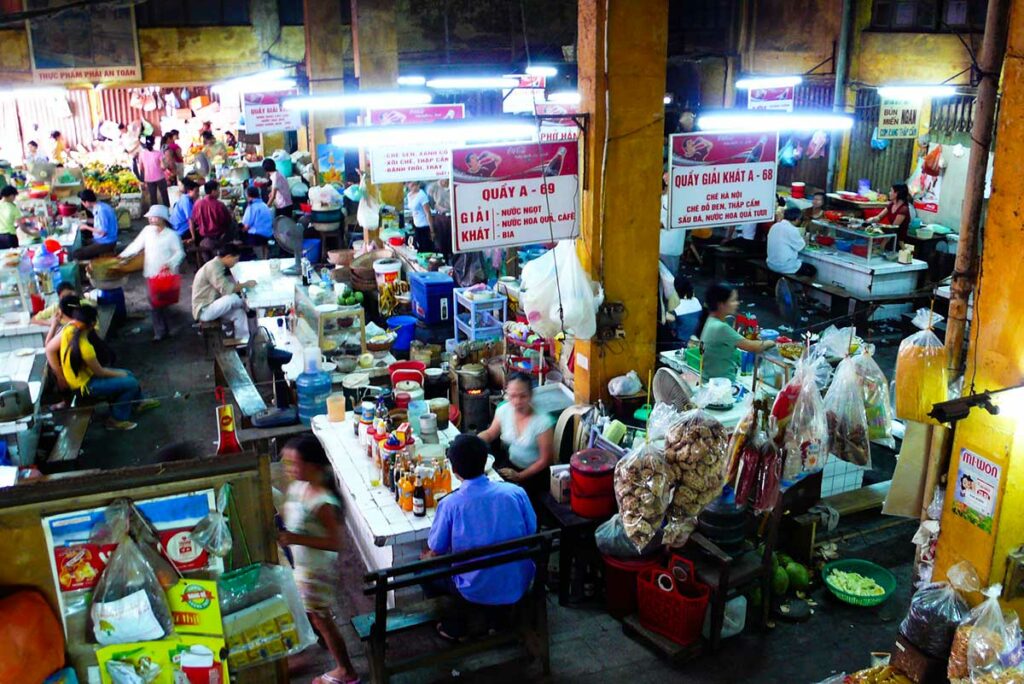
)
(419, 499)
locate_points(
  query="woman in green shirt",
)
(719, 338)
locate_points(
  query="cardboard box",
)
(918, 666)
(177, 658)
(195, 607)
(198, 102)
(560, 482)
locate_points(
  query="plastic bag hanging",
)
(800, 417)
(921, 379)
(213, 532)
(877, 405)
(847, 421)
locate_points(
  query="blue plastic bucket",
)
(405, 329)
(311, 250)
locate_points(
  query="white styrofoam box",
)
(840, 476)
(560, 483)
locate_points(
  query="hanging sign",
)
(412, 162)
(528, 93)
(96, 43)
(722, 179)
(771, 99)
(897, 119)
(263, 112)
(557, 130)
(976, 489)
(504, 195)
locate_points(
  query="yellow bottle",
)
(406, 498)
(428, 487)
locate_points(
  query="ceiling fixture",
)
(417, 81)
(266, 81)
(667, 99)
(541, 70)
(453, 133)
(473, 83)
(756, 82)
(915, 92)
(358, 100)
(755, 122)
(569, 97)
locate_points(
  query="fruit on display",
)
(799, 578)
(780, 581)
(109, 180)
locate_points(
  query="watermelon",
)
(799, 578)
(780, 582)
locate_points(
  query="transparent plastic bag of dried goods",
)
(877, 406)
(921, 379)
(643, 489)
(847, 420)
(994, 646)
(937, 609)
(800, 418)
(696, 450)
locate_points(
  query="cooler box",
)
(431, 296)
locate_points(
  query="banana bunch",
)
(388, 300)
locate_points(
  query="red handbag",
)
(164, 289)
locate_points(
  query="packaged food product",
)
(769, 477)
(185, 658)
(643, 491)
(921, 379)
(695, 451)
(847, 422)
(129, 603)
(213, 532)
(877, 405)
(994, 644)
(937, 609)
(740, 435)
(802, 429)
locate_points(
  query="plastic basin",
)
(405, 329)
(885, 579)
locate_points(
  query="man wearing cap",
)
(103, 228)
(162, 252)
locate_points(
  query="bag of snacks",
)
(994, 647)
(800, 416)
(643, 490)
(213, 532)
(920, 376)
(743, 432)
(937, 609)
(695, 451)
(847, 421)
(769, 477)
(746, 475)
(877, 407)
(129, 604)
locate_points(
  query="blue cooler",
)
(431, 296)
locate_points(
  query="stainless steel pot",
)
(472, 376)
(15, 400)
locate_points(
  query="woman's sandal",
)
(328, 678)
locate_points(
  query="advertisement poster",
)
(976, 490)
(77, 564)
(94, 43)
(557, 130)
(525, 96)
(263, 112)
(770, 99)
(424, 162)
(331, 162)
(722, 179)
(504, 195)
(897, 119)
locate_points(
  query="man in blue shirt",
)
(103, 228)
(181, 214)
(258, 220)
(481, 513)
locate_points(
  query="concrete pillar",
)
(375, 53)
(997, 338)
(266, 26)
(622, 176)
(325, 64)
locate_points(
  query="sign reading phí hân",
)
(721, 179)
(504, 195)
(897, 119)
(426, 161)
(976, 489)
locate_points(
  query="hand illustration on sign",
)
(392, 117)
(696, 149)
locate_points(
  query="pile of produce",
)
(854, 583)
(881, 674)
(109, 180)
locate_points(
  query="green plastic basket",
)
(885, 579)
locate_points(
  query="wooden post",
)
(990, 61)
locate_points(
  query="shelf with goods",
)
(517, 352)
(477, 319)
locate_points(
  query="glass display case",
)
(17, 284)
(338, 329)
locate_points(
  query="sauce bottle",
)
(419, 499)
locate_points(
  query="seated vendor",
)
(784, 245)
(480, 513)
(527, 435)
(258, 220)
(215, 294)
(103, 228)
(815, 212)
(719, 338)
(897, 215)
(12, 221)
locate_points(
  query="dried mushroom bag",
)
(921, 378)
(877, 407)
(847, 420)
(937, 609)
(213, 532)
(696, 451)
(643, 491)
(994, 646)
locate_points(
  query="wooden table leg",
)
(566, 552)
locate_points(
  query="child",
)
(311, 517)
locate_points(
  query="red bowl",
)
(396, 241)
(825, 240)
(833, 215)
(871, 212)
(306, 208)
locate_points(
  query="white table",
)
(23, 435)
(865, 279)
(20, 334)
(384, 534)
(273, 290)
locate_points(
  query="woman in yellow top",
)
(59, 148)
(84, 374)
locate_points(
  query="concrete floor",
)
(586, 642)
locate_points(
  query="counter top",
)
(22, 327)
(876, 266)
(23, 367)
(388, 524)
(271, 289)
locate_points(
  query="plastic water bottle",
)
(46, 267)
(416, 409)
(313, 385)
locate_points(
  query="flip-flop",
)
(327, 678)
(446, 636)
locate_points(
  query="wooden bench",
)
(529, 617)
(73, 425)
